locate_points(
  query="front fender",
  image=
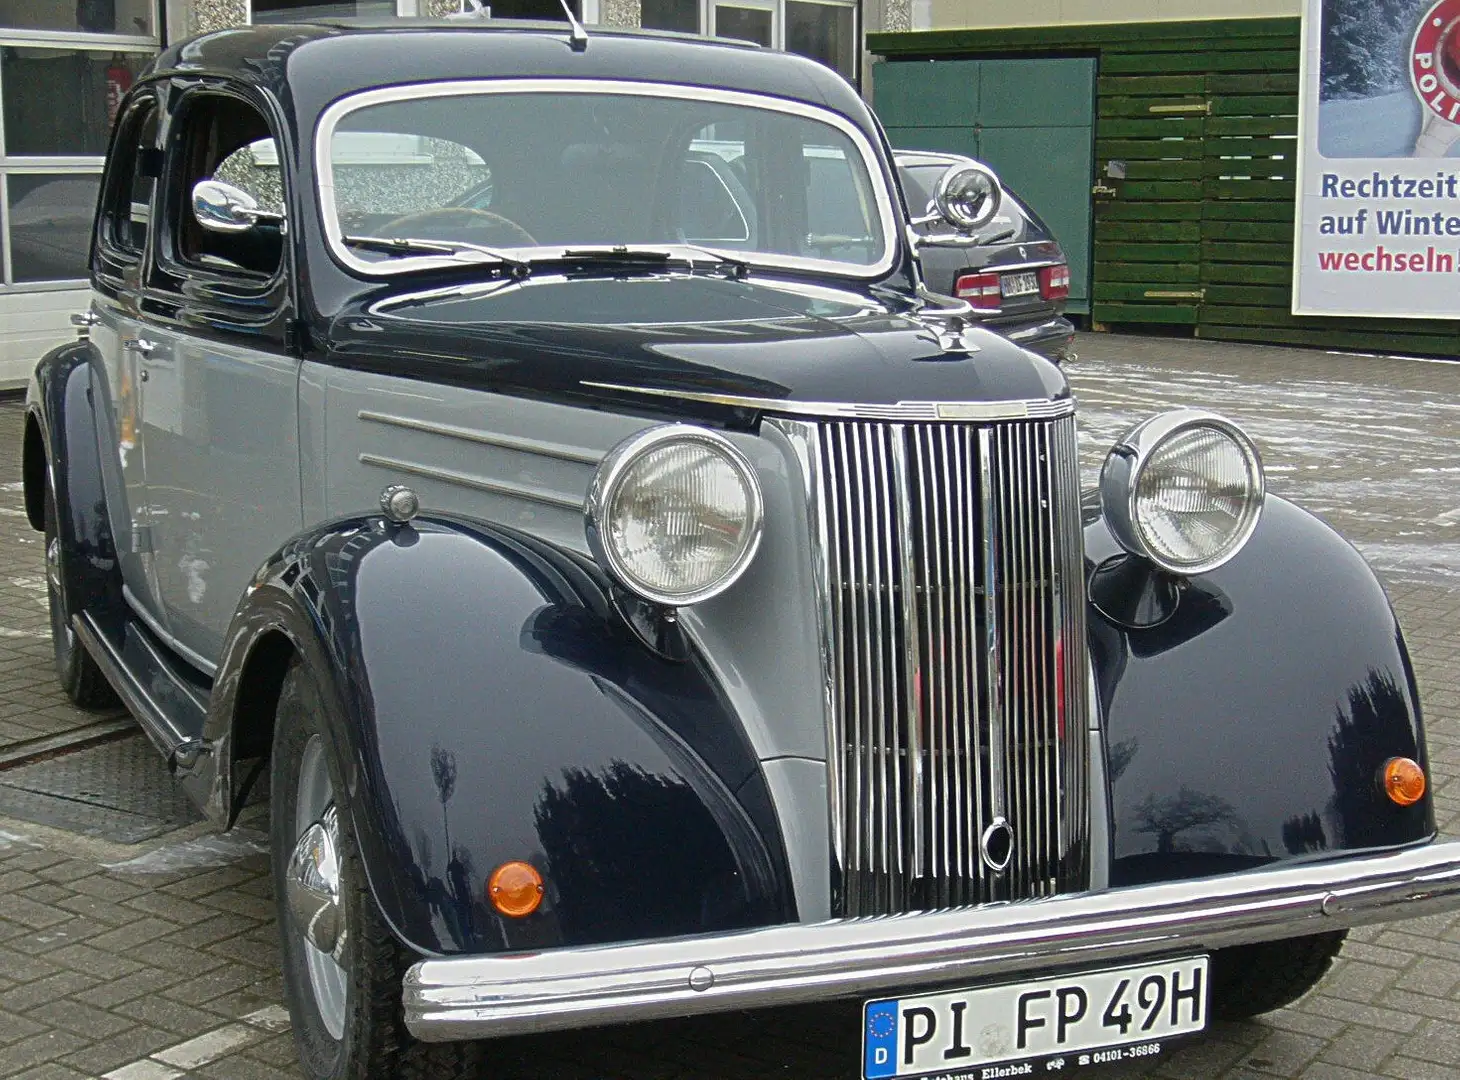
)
(59, 403)
(1250, 726)
(487, 705)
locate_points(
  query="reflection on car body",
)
(636, 583)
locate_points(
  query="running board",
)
(170, 707)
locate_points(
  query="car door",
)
(220, 419)
(119, 345)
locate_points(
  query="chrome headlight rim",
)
(1124, 466)
(609, 478)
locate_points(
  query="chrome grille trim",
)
(950, 570)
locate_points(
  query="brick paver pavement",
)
(158, 961)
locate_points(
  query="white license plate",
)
(1019, 284)
(1089, 1018)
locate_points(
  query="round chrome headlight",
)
(1184, 490)
(674, 514)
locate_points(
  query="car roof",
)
(927, 157)
(304, 66)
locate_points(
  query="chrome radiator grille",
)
(954, 616)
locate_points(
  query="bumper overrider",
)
(484, 996)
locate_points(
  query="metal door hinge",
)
(141, 539)
(296, 335)
(1203, 107)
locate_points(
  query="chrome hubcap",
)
(313, 884)
(53, 563)
(312, 887)
(60, 625)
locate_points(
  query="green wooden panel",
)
(1375, 340)
(927, 94)
(1160, 85)
(1248, 83)
(1263, 295)
(1127, 252)
(1263, 146)
(1224, 251)
(945, 140)
(1198, 63)
(1045, 38)
(1181, 190)
(1255, 105)
(1273, 232)
(1108, 231)
(1179, 314)
(1148, 149)
(1036, 94)
(1164, 170)
(1281, 317)
(1146, 293)
(1285, 190)
(1242, 274)
(1253, 125)
(1283, 59)
(1156, 127)
(1251, 168)
(1234, 210)
(1154, 274)
(1119, 210)
(1141, 106)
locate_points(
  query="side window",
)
(137, 163)
(224, 138)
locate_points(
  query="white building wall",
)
(31, 324)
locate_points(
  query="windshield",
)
(559, 169)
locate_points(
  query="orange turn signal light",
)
(1403, 780)
(515, 888)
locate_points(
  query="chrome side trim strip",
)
(922, 411)
(561, 451)
(477, 483)
(991, 523)
(485, 996)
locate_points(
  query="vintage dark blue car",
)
(538, 451)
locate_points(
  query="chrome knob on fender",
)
(399, 503)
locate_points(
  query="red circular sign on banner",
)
(1434, 60)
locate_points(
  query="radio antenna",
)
(577, 36)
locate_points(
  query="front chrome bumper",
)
(482, 996)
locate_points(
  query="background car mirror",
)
(223, 208)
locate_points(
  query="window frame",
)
(404, 9)
(706, 9)
(58, 165)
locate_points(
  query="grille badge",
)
(996, 846)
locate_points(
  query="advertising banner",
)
(1378, 216)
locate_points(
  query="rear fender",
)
(61, 428)
(486, 705)
(1250, 726)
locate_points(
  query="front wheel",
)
(342, 967)
(1252, 979)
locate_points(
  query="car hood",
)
(591, 337)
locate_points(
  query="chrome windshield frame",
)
(887, 215)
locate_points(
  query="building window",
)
(825, 30)
(301, 11)
(64, 68)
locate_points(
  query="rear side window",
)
(137, 161)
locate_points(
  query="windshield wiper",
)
(622, 253)
(456, 249)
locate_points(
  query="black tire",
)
(374, 1041)
(79, 674)
(1252, 979)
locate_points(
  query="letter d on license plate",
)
(1084, 1018)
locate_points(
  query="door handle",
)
(140, 346)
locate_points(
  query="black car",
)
(1017, 278)
(540, 458)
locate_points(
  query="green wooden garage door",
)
(1032, 120)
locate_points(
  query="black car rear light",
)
(1054, 282)
(980, 290)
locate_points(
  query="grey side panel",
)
(222, 440)
(798, 788)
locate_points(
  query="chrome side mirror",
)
(223, 208)
(968, 197)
